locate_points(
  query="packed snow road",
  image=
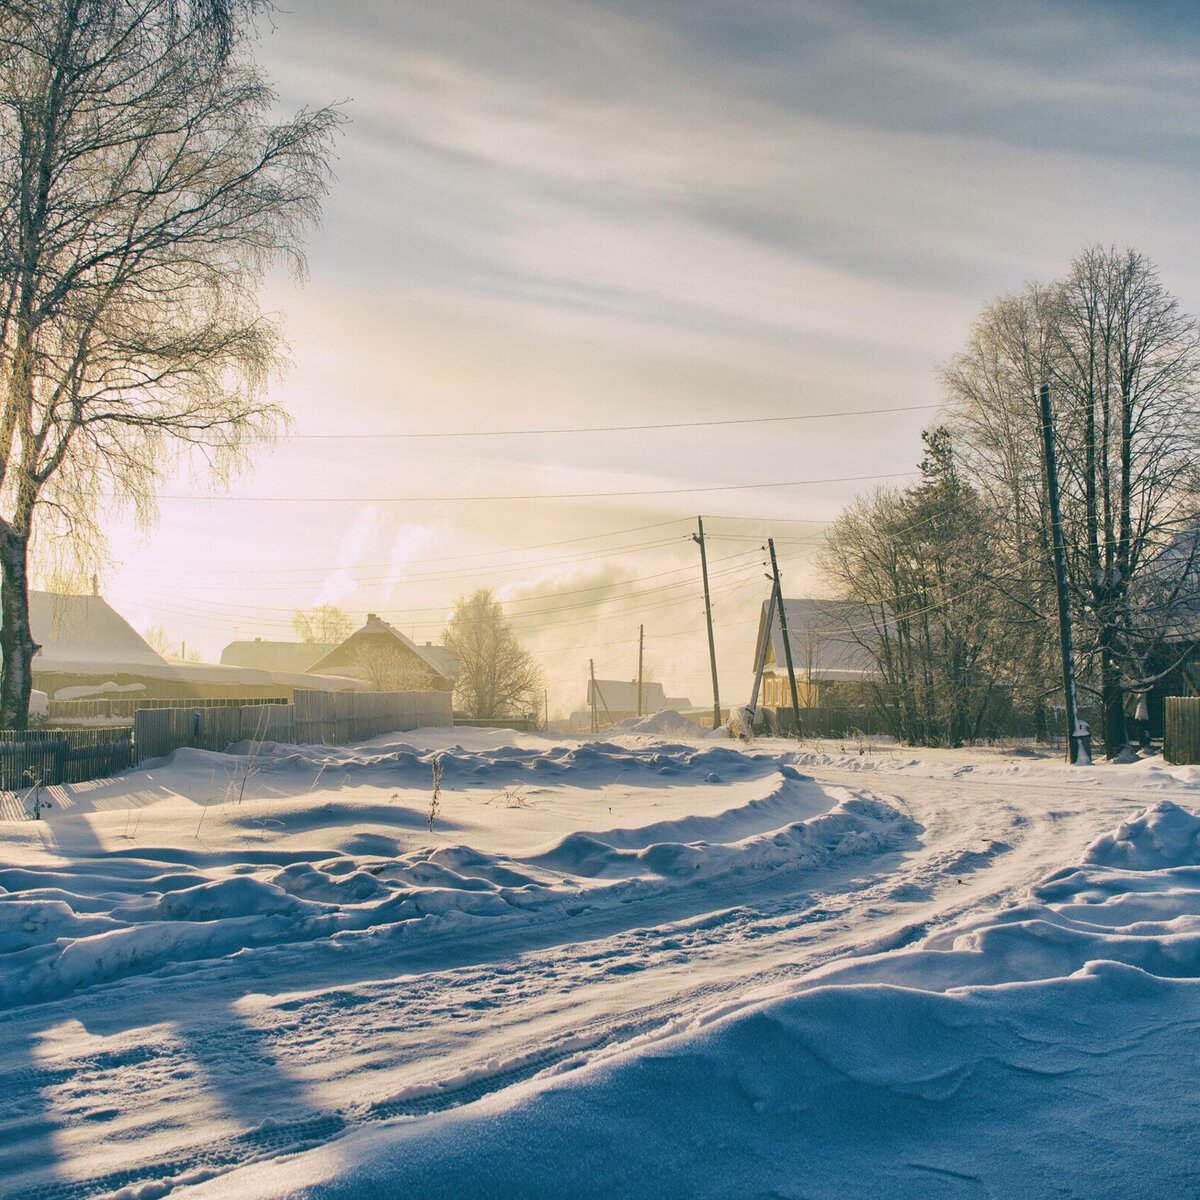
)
(231, 959)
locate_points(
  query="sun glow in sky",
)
(565, 213)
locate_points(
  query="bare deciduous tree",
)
(497, 676)
(390, 669)
(325, 625)
(1124, 362)
(916, 562)
(145, 189)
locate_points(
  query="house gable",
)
(346, 658)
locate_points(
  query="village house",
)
(385, 659)
(832, 664)
(617, 700)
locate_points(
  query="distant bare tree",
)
(156, 638)
(391, 669)
(325, 625)
(145, 189)
(497, 676)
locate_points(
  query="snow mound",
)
(855, 827)
(592, 764)
(667, 723)
(1163, 836)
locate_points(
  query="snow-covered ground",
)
(642, 966)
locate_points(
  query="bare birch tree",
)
(145, 190)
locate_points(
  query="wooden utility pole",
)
(592, 691)
(641, 653)
(1077, 732)
(787, 641)
(712, 646)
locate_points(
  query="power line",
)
(488, 433)
(532, 496)
(590, 537)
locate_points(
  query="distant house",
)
(617, 700)
(384, 658)
(830, 658)
(264, 655)
(89, 650)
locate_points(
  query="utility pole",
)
(712, 646)
(783, 629)
(1077, 731)
(592, 692)
(641, 652)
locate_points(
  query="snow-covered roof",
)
(85, 635)
(827, 639)
(441, 661)
(266, 655)
(86, 630)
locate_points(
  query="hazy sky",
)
(573, 213)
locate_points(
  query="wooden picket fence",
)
(336, 718)
(159, 731)
(54, 756)
(1181, 732)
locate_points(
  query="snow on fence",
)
(53, 756)
(335, 718)
(123, 708)
(1181, 733)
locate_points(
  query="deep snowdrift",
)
(298, 864)
(1045, 1049)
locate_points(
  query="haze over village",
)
(599, 598)
(535, 224)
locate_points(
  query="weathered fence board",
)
(1181, 734)
(53, 756)
(335, 718)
